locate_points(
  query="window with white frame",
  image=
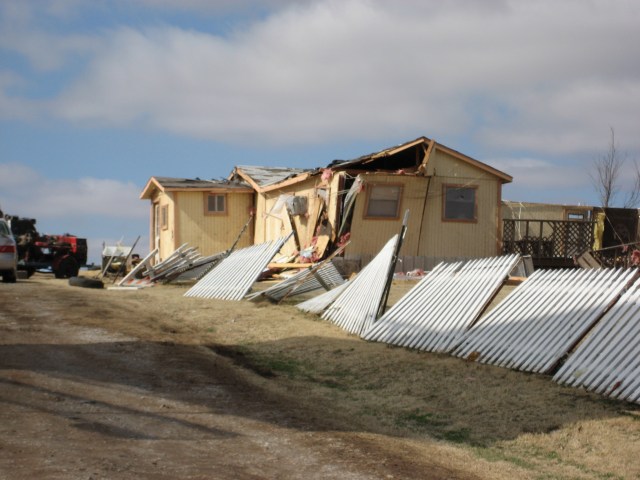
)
(383, 200)
(215, 203)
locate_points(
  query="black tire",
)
(85, 282)
(9, 276)
(67, 267)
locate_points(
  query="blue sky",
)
(97, 96)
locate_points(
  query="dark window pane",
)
(215, 203)
(460, 203)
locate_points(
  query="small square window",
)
(383, 201)
(460, 203)
(216, 203)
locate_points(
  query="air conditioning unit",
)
(297, 205)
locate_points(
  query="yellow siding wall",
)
(211, 233)
(427, 234)
(369, 235)
(462, 239)
(167, 236)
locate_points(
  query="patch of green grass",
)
(548, 457)
(608, 475)
(420, 419)
(462, 435)
(290, 368)
(340, 373)
(437, 426)
(495, 455)
(553, 455)
(332, 384)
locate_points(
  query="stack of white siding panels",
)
(233, 277)
(303, 282)
(321, 302)
(357, 306)
(543, 319)
(608, 361)
(446, 302)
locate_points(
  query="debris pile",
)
(185, 263)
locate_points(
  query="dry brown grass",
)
(500, 423)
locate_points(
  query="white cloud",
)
(536, 174)
(544, 75)
(218, 5)
(13, 107)
(45, 51)
(27, 193)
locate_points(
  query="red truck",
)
(63, 254)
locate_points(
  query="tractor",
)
(62, 254)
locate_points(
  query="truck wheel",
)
(67, 267)
(9, 276)
(85, 282)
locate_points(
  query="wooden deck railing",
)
(550, 242)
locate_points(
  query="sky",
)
(98, 96)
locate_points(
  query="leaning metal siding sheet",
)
(328, 273)
(232, 278)
(608, 361)
(543, 319)
(356, 308)
(198, 269)
(446, 302)
(320, 303)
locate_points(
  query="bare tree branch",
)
(633, 197)
(606, 177)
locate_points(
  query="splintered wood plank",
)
(314, 216)
(291, 247)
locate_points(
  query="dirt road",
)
(81, 402)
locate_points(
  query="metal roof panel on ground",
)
(543, 319)
(321, 302)
(357, 306)
(232, 278)
(197, 269)
(444, 304)
(327, 273)
(608, 360)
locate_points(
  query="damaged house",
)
(207, 214)
(454, 204)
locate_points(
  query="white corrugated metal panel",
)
(446, 302)
(232, 278)
(197, 268)
(298, 284)
(356, 308)
(542, 319)
(320, 303)
(608, 361)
